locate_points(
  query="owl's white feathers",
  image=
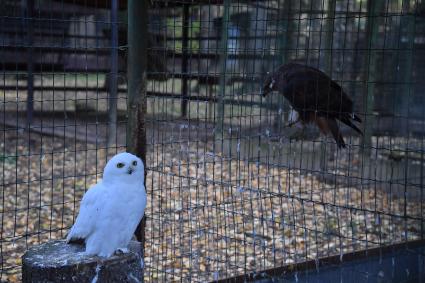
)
(111, 209)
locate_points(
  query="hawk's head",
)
(269, 85)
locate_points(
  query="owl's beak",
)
(130, 170)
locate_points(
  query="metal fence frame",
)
(237, 136)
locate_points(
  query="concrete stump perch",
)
(57, 261)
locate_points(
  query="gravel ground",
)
(43, 177)
(216, 217)
(209, 215)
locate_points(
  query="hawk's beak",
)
(268, 88)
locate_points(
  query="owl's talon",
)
(122, 251)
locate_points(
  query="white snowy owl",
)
(111, 209)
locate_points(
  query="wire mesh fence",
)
(55, 61)
(231, 188)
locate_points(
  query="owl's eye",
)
(134, 163)
(120, 165)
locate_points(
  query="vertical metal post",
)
(329, 28)
(355, 62)
(329, 36)
(287, 27)
(30, 65)
(112, 113)
(372, 30)
(284, 45)
(406, 69)
(136, 89)
(223, 67)
(185, 47)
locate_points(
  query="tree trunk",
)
(57, 261)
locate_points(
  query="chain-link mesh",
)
(55, 94)
(232, 189)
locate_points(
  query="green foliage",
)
(174, 28)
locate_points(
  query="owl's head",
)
(124, 166)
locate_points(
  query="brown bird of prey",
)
(315, 97)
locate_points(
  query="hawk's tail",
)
(346, 120)
(330, 126)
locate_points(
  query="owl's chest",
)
(126, 195)
(130, 193)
